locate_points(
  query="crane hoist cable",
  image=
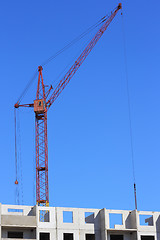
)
(16, 162)
(20, 174)
(129, 111)
(15, 125)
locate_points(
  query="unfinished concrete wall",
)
(78, 223)
(119, 224)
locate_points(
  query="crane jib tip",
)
(120, 6)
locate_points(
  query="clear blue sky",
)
(88, 126)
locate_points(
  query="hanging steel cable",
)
(16, 161)
(20, 169)
(129, 111)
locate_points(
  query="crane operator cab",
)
(39, 106)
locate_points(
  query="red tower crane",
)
(44, 100)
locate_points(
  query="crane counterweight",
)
(39, 106)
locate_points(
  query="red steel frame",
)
(42, 190)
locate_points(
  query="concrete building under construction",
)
(24, 222)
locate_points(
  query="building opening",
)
(44, 236)
(147, 237)
(15, 234)
(116, 237)
(90, 236)
(68, 236)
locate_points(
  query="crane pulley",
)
(44, 100)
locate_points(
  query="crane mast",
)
(44, 99)
(42, 191)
